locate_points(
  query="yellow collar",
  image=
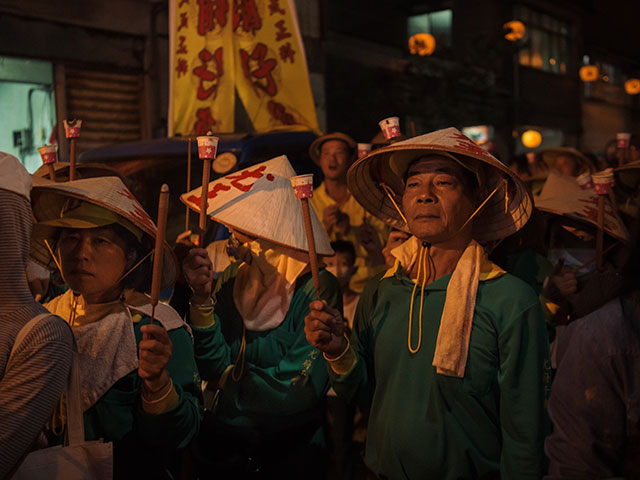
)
(407, 253)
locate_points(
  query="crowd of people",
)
(468, 319)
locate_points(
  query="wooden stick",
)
(186, 220)
(206, 171)
(52, 172)
(600, 233)
(413, 128)
(72, 159)
(158, 258)
(313, 258)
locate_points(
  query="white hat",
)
(13, 176)
(387, 166)
(562, 195)
(50, 201)
(260, 201)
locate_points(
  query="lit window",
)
(437, 24)
(549, 42)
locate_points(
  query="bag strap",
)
(25, 330)
(75, 415)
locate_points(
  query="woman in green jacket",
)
(140, 385)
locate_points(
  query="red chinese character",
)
(183, 2)
(182, 48)
(236, 179)
(181, 68)
(279, 112)
(205, 121)
(205, 75)
(213, 193)
(246, 11)
(286, 52)
(274, 7)
(207, 10)
(282, 33)
(256, 67)
(183, 21)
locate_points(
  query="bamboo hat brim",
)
(260, 201)
(48, 199)
(504, 213)
(562, 195)
(316, 146)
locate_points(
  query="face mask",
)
(575, 258)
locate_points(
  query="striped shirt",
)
(31, 383)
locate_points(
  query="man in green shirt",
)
(448, 351)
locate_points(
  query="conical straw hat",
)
(83, 170)
(260, 201)
(48, 199)
(388, 165)
(549, 156)
(562, 195)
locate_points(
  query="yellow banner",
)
(202, 74)
(253, 46)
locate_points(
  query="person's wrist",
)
(154, 387)
(336, 353)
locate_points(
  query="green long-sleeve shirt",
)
(284, 379)
(489, 424)
(144, 442)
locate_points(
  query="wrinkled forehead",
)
(436, 164)
(334, 144)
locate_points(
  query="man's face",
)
(335, 159)
(436, 201)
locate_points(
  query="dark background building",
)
(107, 63)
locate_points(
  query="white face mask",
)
(574, 258)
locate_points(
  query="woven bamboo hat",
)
(506, 211)
(562, 195)
(316, 146)
(549, 156)
(259, 201)
(89, 203)
(83, 170)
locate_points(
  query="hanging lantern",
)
(422, 44)
(632, 86)
(531, 138)
(588, 73)
(514, 30)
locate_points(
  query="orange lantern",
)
(632, 86)
(422, 44)
(531, 138)
(514, 30)
(588, 73)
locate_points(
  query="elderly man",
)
(341, 215)
(448, 351)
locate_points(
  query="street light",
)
(514, 30)
(531, 138)
(588, 73)
(422, 44)
(632, 86)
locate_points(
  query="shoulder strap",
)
(24, 331)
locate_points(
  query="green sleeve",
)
(524, 381)
(357, 385)
(294, 383)
(176, 427)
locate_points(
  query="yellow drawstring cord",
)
(240, 358)
(477, 210)
(420, 279)
(389, 193)
(55, 259)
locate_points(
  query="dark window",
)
(437, 24)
